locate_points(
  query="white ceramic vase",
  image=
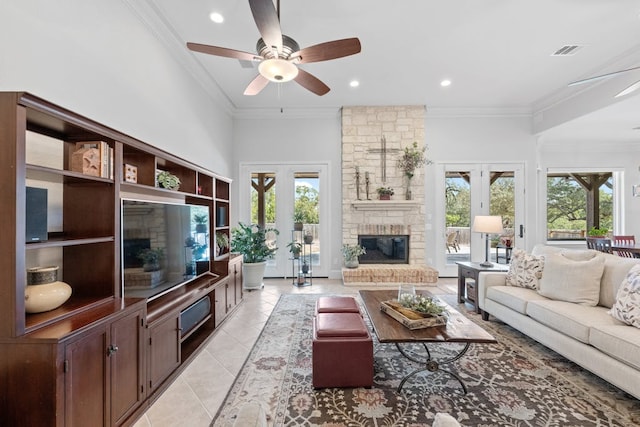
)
(43, 291)
(45, 297)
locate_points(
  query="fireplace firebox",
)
(384, 249)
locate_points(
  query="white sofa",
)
(587, 335)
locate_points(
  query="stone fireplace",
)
(373, 139)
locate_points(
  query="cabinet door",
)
(87, 370)
(220, 306)
(125, 354)
(164, 349)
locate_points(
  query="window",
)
(577, 201)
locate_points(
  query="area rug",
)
(513, 383)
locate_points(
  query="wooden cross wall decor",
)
(383, 150)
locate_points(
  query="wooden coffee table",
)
(388, 330)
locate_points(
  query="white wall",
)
(97, 59)
(468, 139)
(288, 139)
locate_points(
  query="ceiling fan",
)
(632, 88)
(279, 55)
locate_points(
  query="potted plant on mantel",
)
(351, 254)
(385, 193)
(251, 242)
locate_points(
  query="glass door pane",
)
(457, 196)
(502, 202)
(307, 209)
(263, 205)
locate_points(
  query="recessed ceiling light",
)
(217, 18)
(354, 83)
(445, 83)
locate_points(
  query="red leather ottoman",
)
(337, 305)
(342, 351)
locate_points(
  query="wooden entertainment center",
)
(101, 358)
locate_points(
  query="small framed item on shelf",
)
(130, 173)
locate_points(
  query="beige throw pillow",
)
(571, 280)
(525, 269)
(627, 306)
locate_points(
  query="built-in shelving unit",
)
(110, 352)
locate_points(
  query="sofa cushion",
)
(525, 269)
(574, 254)
(565, 279)
(571, 319)
(615, 271)
(627, 305)
(516, 298)
(619, 341)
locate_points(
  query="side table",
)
(467, 292)
(507, 253)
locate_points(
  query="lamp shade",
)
(490, 224)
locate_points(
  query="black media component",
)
(36, 214)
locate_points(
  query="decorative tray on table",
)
(410, 318)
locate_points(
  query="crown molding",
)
(457, 112)
(286, 113)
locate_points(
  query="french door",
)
(270, 194)
(470, 189)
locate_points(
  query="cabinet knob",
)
(112, 349)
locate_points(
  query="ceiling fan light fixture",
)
(278, 70)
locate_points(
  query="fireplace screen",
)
(384, 249)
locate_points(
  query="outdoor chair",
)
(452, 241)
(629, 240)
(599, 244)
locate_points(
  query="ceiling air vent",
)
(567, 50)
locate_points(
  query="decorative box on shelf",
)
(410, 318)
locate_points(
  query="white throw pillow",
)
(525, 269)
(627, 306)
(570, 280)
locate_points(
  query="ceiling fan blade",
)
(223, 51)
(603, 76)
(256, 85)
(267, 21)
(310, 82)
(631, 88)
(328, 50)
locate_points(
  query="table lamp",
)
(487, 224)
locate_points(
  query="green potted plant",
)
(412, 158)
(251, 242)
(298, 220)
(295, 248)
(597, 232)
(308, 238)
(385, 193)
(167, 180)
(201, 222)
(351, 253)
(222, 241)
(151, 258)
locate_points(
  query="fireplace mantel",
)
(384, 205)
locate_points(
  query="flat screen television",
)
(164, 245)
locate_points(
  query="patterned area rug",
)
(516, 382)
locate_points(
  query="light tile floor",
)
(195, 396)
